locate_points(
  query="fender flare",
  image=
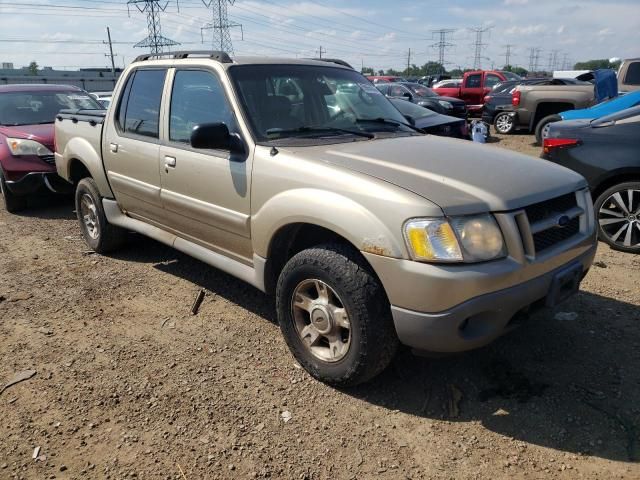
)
(80, 150)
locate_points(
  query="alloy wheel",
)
(619, 218)
(321, 320)
(504, 123)
(89, 216)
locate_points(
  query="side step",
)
(252, 275)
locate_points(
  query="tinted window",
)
(491, 80)
(197, 98)
(142, 115)
(32, 108)
(474, 81)
(633, 74)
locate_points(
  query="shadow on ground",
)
(50, 207)
(570, 385)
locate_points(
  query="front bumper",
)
(477, 321)
(34, 182)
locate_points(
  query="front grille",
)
(549, 208)
(548, 238)
(50, 159)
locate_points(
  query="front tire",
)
(98, 233)
(12, 203)
(335, 316)
(542, 129)
(504, 123)
(618, 215)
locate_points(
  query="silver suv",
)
(299, 177)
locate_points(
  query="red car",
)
(27, 116)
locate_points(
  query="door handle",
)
(169, 162)
(113, 147)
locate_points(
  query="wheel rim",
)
(545, 130)
(619, 218)
(89, 215)
(321, 320)
(504, 123)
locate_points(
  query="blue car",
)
(605, 108)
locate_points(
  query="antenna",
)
(220, 25)
(479, 46)
(155, 41)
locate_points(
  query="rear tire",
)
(12, 203)
(543, 125)
(618, 225)
(98, 233)
(504, 123)
(335, 316)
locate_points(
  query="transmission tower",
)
(507, 55)
(479, 46)
(442, 45)
(155, 41)
(220, 25)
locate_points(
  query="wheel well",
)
(78, 171)
(292, 239)
(611, 181)
(546, 109)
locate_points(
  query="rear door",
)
(205, 193)
(472, 91)
(131, 144)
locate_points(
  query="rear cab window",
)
(139, 109)
(632, 77)
(474, 81)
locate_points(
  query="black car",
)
(498, 109)
(431, 122)
(425, 97)
(606, 151)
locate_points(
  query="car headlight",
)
(460, 239)
(445, 104)
(21, 147)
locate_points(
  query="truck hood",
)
(461, 177)
(40, 133)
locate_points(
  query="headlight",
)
(445, 104)
(20, 147)
(460, 239)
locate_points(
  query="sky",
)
(374, 33)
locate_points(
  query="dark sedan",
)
(606, 151)
(431, 122)
(27, 116)
(425, 97)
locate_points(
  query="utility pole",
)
(479, 46)
(110, 54)
(532, 54)
(409, 62)
(155, 42)
(507, 55)
(220, 25)
(442, 45)
(321, 51)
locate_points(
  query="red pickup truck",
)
(475, 85)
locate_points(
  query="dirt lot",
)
(129, 384)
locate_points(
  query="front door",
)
(472, 92)
(205, 193)
(132, 144)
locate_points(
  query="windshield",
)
(421, 90)
(293, 101)
(511, 76)
(33, 108)
(412, 110)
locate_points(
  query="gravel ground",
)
(130, 384)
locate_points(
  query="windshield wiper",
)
(272, 131)
(387, 121)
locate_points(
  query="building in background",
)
(89, 79)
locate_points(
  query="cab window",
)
(197, 98)
(142, 111)
(474, 81)
(491, 80)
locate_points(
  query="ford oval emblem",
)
(563, 221)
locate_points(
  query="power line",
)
(479, 46)
(220, 25)
(155, 41)
(442, 45)
(507, 55)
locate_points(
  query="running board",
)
(252, 275)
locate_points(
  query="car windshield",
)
(421, 90)
(511, 76)
(33, 108)
(307, 101)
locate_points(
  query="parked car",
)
(385, 79)
(425, 97)
(429, 80)
(431, 122)
(606, 151)
(103, 98)
(27, 114)
(629, 75)
(369, 233)
(602, 109)
(451, 83)
(475, 86)
(498, 109)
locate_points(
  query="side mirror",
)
(215, 136)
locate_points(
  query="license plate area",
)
(564, 284)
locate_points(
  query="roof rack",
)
(333, 60)
(222, 57)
